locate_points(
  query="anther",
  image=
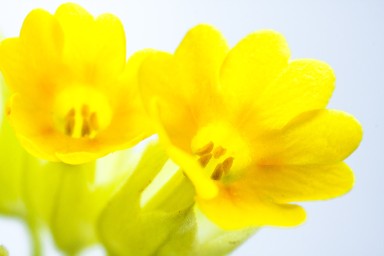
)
(82, 123)
(218, 172)
(204, 160)
(205, 150)
(218, 152)
(227, 164)
(85, 129)
(70, 122)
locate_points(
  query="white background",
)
(348, 34)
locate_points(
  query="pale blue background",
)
(349, 35)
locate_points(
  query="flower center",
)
(81, 112)
(221, 163)
(221, 151)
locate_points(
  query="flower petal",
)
(29, 116)
(205, 187)
(284, 184)
(130, 122)
(109, 46)
(317, 137)
(75, 158)
(261, 197)
(252, 65)
(37, 132)
(36, 54)
(199, 58)
(95, 47)
(12, 64)
(43, 39)
(78, 28)
(165, 100)
(305, 85)
(240, 207)
(175, 82)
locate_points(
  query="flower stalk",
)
(131, 228)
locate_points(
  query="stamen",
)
(85, 130)
(218, 152)
(81, 112)
(227, 164)
(205, 150)
(70, 122)
(218, 172)
(216, 159)
(81, 123)
(204, 160)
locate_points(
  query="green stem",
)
(34, 235)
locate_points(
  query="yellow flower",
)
(74, 98)
(249, 127)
